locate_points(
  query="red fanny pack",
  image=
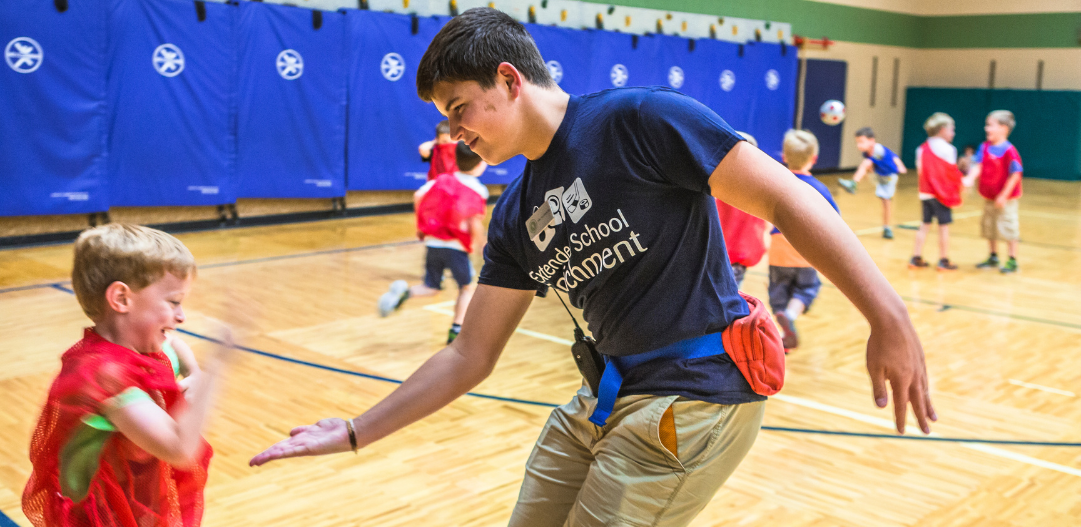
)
(754, 344)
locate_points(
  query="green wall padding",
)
(1048, 131)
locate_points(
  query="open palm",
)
(328, 436)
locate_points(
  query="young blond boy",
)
(886, 165)
(997, 165)
(793, 283)
(939, 187)
(116, 443)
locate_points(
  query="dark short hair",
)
(466, 158)
(443, 127)
(472, 45)
(969, 147)
(866, 131)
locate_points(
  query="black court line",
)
(554, 405)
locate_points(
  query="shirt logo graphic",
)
(675, 77)
(24, 54)
(290, 64)
(555, 69)
(728, 80)
(392, 66)
(773, 79)
(619, 75)
(576, 201)
(168, 60)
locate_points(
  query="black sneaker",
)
(789, 338)
(1010, 266)
(991, 261)
(917, 262)
(945, 265)
(451, 335)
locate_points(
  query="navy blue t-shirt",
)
(636, 242)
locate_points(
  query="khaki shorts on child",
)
(1000, 224)
(658, 461)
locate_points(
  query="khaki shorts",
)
(1000, 224)
(657, 462)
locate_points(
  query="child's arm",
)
(973, 175)
(176, 440)
(477, 233)
(1004, 196)
(750, 180)
(901, 169)
(425, 149)
(188, 365)
(862, 170)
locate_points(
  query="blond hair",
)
(800, 147)
(1003, 117)
(936, 122)
(135, 255)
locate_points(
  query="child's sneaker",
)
(394, 298)
(917, 262)
(789, 339)
(887, 233)
(945, 265)
(1010, 266)
(991, 261)
(848, 185)
(452, 334)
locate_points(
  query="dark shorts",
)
(739, 271)
(786, 283)
(440, 259)
(932, 208)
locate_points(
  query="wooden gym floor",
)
(1004, 354)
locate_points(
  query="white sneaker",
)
(393, 299)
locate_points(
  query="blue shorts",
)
(439, 259)
(786, 283)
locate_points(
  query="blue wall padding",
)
(825, 80)
(112, 119)
(387, 121)
(291, 103)
(52, 108)
(171, 138)
(1047, 135)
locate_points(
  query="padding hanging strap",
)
(414, 24)
(61, 5)
(317, 19)
(200, 10)
(634, 41)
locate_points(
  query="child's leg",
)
(1011, 247)
(465, 294)
(795, 308)
(944, 241)
(989, 230)
(421, 290)
(887, 211)
(921, 237)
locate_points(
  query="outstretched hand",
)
(899, 360)
(328, 436)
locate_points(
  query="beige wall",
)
(1014, 68)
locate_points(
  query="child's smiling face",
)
(156, 310)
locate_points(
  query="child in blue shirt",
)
(886, 165)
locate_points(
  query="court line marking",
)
(1024, 384)
(871, 420)
(916, 223)
(7, 522)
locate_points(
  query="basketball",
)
(832, 112)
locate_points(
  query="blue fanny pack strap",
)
(608, 389)
(612, 378)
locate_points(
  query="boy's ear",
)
(118, 297)
(507, 74)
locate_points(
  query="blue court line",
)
(554, 405)
(7, 522)
(29, 287)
